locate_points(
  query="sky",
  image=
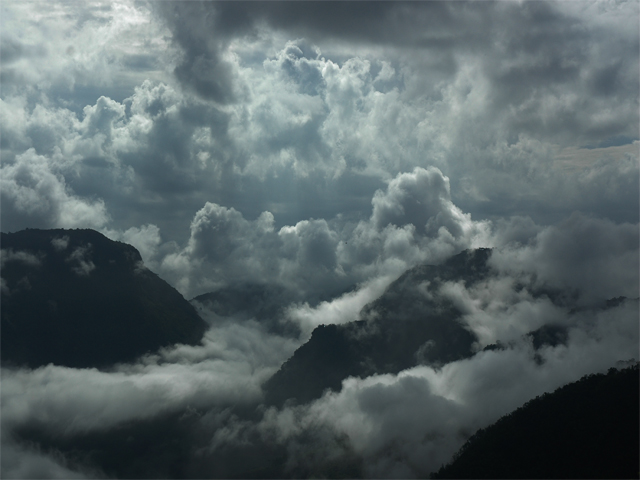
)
(326, 147)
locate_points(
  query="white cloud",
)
(60, 243)
(595, 256)
(412, 221)
(80, 259)
(409, 424)
(327, 149)
(68, 47)
(32, 191)
(10, 255)
(234, 359)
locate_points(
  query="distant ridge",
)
(76, 298)
(265, 303)
(403, 328)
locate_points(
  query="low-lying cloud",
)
(303, 156)
(403, 425)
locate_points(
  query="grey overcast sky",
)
(326, 147)
(259, 126)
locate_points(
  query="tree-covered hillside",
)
(76, 298)
(586, 429)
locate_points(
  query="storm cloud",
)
(305, 155)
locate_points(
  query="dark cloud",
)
(312, 152)
(404, 24)
(309, 121)
(30, 190)
(202, 33)
(393, 425)
(581, 252)
(413, 219)
(530, 52)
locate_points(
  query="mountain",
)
(265, 303)
(409, 324)
(586, 429)
(76, 298)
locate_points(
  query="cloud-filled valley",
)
(338, 190)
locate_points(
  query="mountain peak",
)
(403, 328)
(77, 298)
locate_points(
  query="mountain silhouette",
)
(265, 303)
(76, 298)
(586, 429)
(409, 324)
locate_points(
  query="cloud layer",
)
(317, 151)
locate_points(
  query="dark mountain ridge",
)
(265, 303)
(408, 325)
(76, 298)
(586, 429)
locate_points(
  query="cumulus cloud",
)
(409, 424)
(316, 151)
(422, 199)
(74, 52)
(595, 256)
(413, 220)
(146, 239)
(31, 191)
(300, 123)
(403, 425)
(203, 67)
